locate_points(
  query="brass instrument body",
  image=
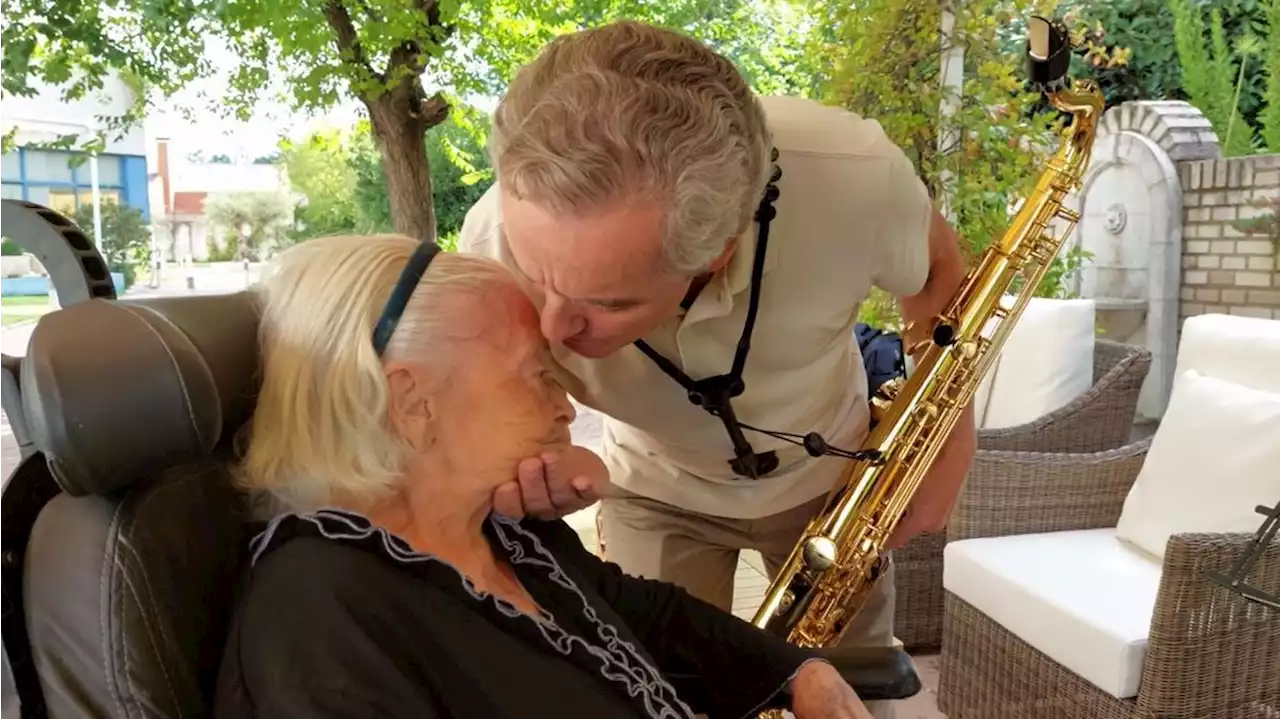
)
(830, 572)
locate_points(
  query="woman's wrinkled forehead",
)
(502, 316)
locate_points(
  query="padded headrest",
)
(116, 391)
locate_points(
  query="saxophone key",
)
(927, 410)
(820, 553)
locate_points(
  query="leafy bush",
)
(126, 238)
(339, 175)
(885, 57)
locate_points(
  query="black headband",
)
(400, 294)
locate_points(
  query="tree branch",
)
(347, 39)
(433, 110)
(410, 53)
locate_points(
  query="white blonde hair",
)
(631, 110)
(320, 430)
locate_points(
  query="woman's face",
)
(501, 402)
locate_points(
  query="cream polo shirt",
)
(852, 214)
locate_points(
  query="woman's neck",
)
(442, 514)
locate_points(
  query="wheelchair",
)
(124, 539)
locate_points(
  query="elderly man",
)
(663, 218)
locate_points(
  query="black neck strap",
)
(408, 281)
(714, 393)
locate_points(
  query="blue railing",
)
(36, 286)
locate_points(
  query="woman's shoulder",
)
(309, 579)
(308, 567)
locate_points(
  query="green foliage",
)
(1266, 223)
(339, 176)
(318, 170)
(126, 239)
(255, 220)
(1154, 69)
(9, 248)
(1269, 116)
(74, 46)
(1142, 30)
(377, 51)
(886, 57)
(1210, 76)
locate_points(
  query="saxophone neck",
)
(1083, 99)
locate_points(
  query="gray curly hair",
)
(630, 110)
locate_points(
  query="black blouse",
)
(343, 619)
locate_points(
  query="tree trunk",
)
(400, 119)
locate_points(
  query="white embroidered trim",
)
(620, 662)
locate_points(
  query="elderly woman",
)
(401, 388)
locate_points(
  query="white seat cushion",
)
(1046, 362)
(1243, 350)
(1082, 598)
(1214, 458)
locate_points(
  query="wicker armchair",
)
(1100, 419)
(1210, 654)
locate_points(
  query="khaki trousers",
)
(699, 553)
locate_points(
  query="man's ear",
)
(411, 404)
(725, 255)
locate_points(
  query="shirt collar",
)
(718, 298)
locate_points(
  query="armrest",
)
(1100, 419)
(1211, 650)
(1031, 492)
(877, 673)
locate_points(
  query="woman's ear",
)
(411, 404)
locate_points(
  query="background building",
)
(51, 177)
(180, 185)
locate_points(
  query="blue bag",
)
(882, 355)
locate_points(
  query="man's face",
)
(598, 280)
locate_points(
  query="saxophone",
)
(828, 575)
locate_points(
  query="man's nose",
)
(559, 322)
(565, 407)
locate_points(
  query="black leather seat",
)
(130, 571)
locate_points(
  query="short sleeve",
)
(904, 213)
(482, 225)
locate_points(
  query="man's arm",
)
(930, 508)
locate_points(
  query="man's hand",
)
(552, 485)
(819, 692)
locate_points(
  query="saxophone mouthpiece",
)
(1048, 54)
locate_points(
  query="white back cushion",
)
(1046, 362)
(1213, 460)
(982, 396)
(1243, 350)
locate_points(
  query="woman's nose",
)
(559, 322)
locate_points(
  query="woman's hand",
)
(552, 485)
(819, 692)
